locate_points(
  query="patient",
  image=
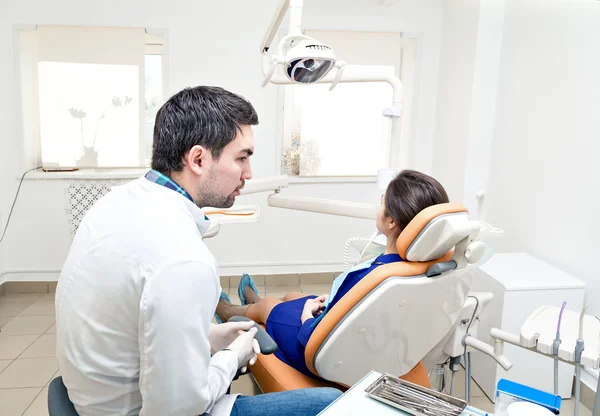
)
(291, 320)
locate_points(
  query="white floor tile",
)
(4, 364)
(21, 297)
(30, 372)
(39, 407)
(245, 385)
(57, 374)
(40, 308)
(22, 325)
(15, 401)
(482, 403)
(43, 347)
(13, 346)
(4, 320)
(13, 308)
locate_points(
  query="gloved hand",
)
(221, 335)
(247, 349)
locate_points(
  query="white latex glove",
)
(221, 335)
(247, 349)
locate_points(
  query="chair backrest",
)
(396, 314)
(58, 399)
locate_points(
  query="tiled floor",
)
(27, 353)
(28, 350)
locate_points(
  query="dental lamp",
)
(301, 59)
(304, 60)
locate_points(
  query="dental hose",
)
(467, 355)
(347, 251)
(555, 347)
(467, 384)
(597, 399)
(454, 363)
(469, 373)
(579, 346)
(452, 383)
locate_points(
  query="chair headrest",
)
(433, 232)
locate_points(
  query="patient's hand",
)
(313, 308)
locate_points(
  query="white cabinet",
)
(520, 284)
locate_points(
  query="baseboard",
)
(226, 269)
(29, 280)
(28, 287)
(30, 275)
(282, 274)
(270, 268)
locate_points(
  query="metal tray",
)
(414, 399)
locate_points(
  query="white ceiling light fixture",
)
(301, 59)
(304, 60)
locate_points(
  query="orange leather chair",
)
(395, 316)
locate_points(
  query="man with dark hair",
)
(139, 288)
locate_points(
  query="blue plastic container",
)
(509, 392)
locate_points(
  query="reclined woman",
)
(291, 320)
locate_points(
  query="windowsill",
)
(134, 173)
(116, 173)
(332, 179)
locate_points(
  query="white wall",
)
(2, 221)
(213, 43)
(483, 104)
(545, 176)
(6, 120)
(454, 102)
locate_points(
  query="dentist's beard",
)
(209, 196)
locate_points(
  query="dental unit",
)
(441, 273)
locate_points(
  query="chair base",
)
(273, 375)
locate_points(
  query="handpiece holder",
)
(266, 343)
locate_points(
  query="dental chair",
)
(398, 316)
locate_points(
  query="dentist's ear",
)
(196, 159)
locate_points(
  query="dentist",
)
(139, 288)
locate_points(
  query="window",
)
(90, 95)
(343, 132)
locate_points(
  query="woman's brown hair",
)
(410, 193)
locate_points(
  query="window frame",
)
(30, 156)
(407, 74)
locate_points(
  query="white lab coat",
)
(134, 305)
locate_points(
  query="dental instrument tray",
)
(414, 399)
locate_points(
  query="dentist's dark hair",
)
(205, 116)
(410, 193)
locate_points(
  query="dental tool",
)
(556, 346)
(579, 347)
(414, 399)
